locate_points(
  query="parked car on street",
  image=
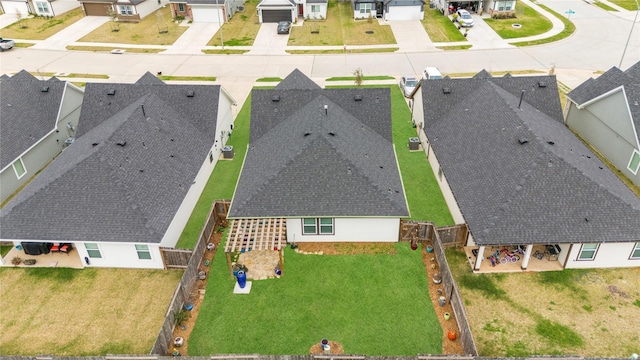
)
(6, 44)
(284, 27)
(408, 84)
(464, 18)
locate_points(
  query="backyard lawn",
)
(533, 23)
(341, 29)
(40, 28)
(62, 311)
(370, 304)
(147, 31)
(593, 313)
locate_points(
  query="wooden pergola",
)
(256, 234)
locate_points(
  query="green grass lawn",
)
(371, 304)
(40, 28)
(340, 29)
(630, 5)
(241, 30)
(440, 28)
(568, 30)
(604, 6)
(533, 23)
(146, 32)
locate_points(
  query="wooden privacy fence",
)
(217, 216)
(175, 258)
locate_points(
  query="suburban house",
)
(38, 7)
(516, 176)
(206, 11)
(125, 10)
(605, 112)
(497, 8)
(270, 11)
(323, 161)
(312, 9)
(128, 183)
(39, 118)
(493, 7)
(388, 9)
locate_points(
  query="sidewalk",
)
(72, 33)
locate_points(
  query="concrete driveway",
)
(411, 36)
(71, 33)
(194, 39)
(268, 41)
(7, 19)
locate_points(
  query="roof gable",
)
(519, 175)
(149, 79)
(29, 111)
(297, 81)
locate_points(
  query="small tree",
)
(113, 22)
(21, 22)
(358, 77)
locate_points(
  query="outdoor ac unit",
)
(414, 143)
(227, 152)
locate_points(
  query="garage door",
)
(96, 9)
(404, 13)
(15, 7)
(270, 16)
(207, 14)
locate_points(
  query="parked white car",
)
(431, 73)
(464, 18)
(408, 84)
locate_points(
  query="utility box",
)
(227, 152)
(414, 143)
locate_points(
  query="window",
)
(365, 8)
(588, 252)
(181, 7)
(634, 163)
(126, 9)
(93, 250)
(317, 226)
(18, 167)
(315, 8)
(43, 7)
(635, 254)
(440, 174)
(143, 252)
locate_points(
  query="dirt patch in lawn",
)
(348, 248)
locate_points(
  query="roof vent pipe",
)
(326, 108)
(521, 96)
(143, 113)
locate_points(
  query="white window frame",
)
(587, 250)
(142, 249)
(126, 10)
(635, 253)
(93, 253)
(24, 168)
(634, 155)
(315, 8)
(365, 8)
(318, 226)
(42, 6)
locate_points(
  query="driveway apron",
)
(71, 33)
(411, 36)
(268, 41)
(7, 19)
(194, 39)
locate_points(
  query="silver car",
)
(464, 18)
(408, 84)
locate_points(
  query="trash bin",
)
(242, 279)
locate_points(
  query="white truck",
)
(6, 44)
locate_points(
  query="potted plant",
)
(16, 260)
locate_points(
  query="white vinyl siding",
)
(18, 167)
(588, 252)
(143, 252)
(93, 250)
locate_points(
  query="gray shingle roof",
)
(303, 162)
(28, 113)
(297, 81)
(518, 174)
(123, 179)
(613, 78)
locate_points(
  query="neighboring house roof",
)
(124, 178)
(517, 173)
(612, 79)
(403, 2)
(28, 112)
(303, 161)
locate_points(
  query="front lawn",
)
(440, 28)
(341, 29)
(370, 304)
(533, 23)
(146, 32)
(39, 27)
(630, 5)
(241, 29)
(88, 312)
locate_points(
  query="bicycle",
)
(509, 256)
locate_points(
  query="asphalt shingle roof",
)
(612, 79)
(305, 162)
(518, 174)
(125, 177)
(28, 113)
